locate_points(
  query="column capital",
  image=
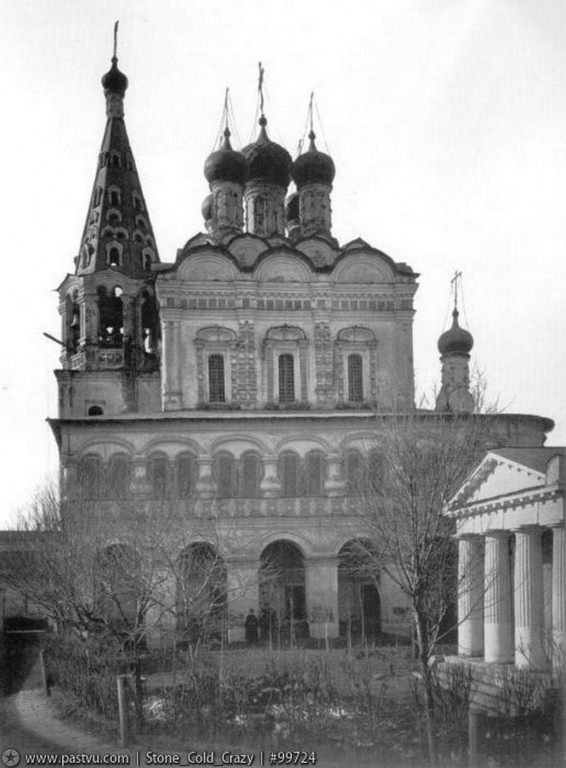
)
(325, 560)
(528, 528)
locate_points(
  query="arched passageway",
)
(359, 604)
(282, 598)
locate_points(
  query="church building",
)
(234, 387)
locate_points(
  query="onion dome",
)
(292, 207)
(226, 164)
(313, 167)
(456, 341)
(268, 162)
(207, 207)
(115, 81)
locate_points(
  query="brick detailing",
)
(247, 373)
(324, 389)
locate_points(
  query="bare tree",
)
(120, 571)
(425, 458)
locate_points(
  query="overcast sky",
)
(446, 120)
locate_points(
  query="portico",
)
(512, 559)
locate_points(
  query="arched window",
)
(354, 471)
(286, 378)
(216, 387)
(90, 476)
(111, 317)
(118, 477)
(250, 475)
(186, 475)
(95, 410)
(314, 474)
(374, 472)
(114, 259)
(289, 475)
(159, 476)
(355, 378)
(225, 475)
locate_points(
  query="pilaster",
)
(243, 593)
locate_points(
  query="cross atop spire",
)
(454, 281)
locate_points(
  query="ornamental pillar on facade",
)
(242, 573)
(321, 587)
(470, 596)
(270, 485)
(170, 362)
(529, 605)
(498, 627)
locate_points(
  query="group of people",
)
(260, 627)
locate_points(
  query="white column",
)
(470, 595)
(559, 594)
(498, 627)
(529, 605)
(321, 587)
(243, 593)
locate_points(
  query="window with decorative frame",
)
(355, 378)
(356, 366)
(215, 346)
(286, 371)
(286, 365)
(90, 476)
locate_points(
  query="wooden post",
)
(44, 679)
(473, 733)
(122, 681)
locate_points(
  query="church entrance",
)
(282, 601)
(359, 604)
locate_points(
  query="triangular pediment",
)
(495, 477)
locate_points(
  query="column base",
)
(498, 643)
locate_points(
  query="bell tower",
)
(108, 310)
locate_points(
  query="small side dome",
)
(115, 81)
(207, 207)
(268, 162)
(226, 164)
(456, 341)
(313, 167)
(292, 208)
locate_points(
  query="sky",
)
(446, 120)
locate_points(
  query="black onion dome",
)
(115, 81)
(456, 340)
(207, 207)
(313, 167)
(226, 164)
(267, 161)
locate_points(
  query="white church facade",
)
(239, 383)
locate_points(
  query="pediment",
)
(496, 477)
